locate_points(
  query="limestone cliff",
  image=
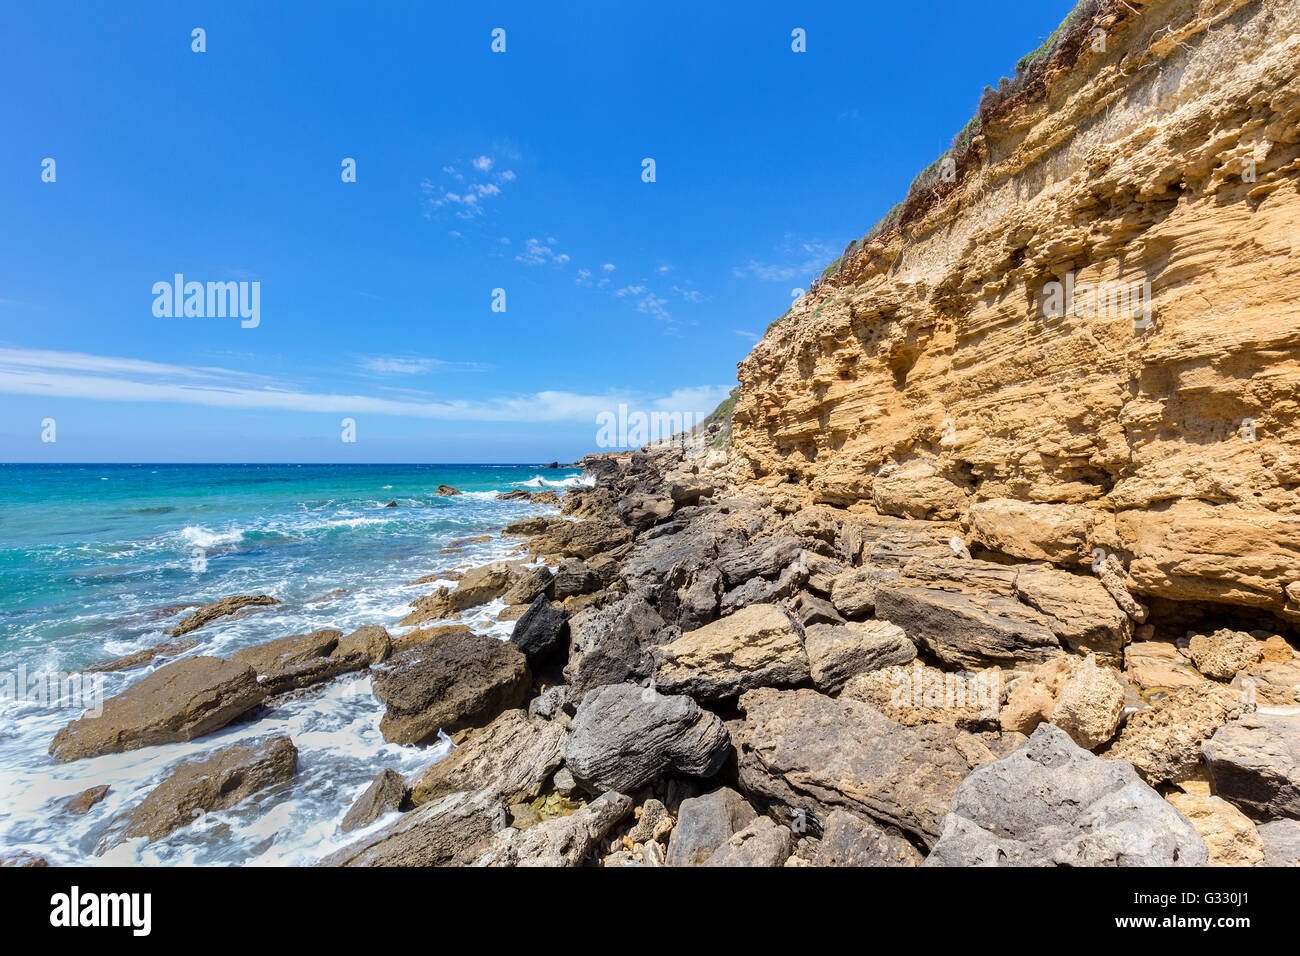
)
(931, 377)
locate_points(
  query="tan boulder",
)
(1222, 654)
(179, 701)
(1163, 742)
(757, 646)
(1229, 834)
(1089, 705)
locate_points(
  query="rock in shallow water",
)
(515, 754)
(384, 795)
(448, 683)
(217, 781)
(1053, 803)
(179, 701)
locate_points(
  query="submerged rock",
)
(217, 781)
(216, 609)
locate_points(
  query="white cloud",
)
(409, 365)
(608, 267)
(538, 253)
(483, 163)
(110, 379)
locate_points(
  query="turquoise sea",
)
(97, 560)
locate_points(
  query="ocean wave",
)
(573, 481)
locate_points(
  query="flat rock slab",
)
(215, 782)
(448, 683)
(1255, 763)
(180, 701)
(625, 736)
(757, 646)
(800, 750)
(300, 660)
(1053, 803)
(210, 612)
(515, 754)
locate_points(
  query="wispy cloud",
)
(795, 259)
(536, 253)
(466, 191)
(411, 365)
(112, 379)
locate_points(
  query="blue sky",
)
(476, 171)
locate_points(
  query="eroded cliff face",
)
(927, 379)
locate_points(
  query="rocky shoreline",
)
(717, 674)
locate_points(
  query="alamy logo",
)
(624, 430)
(1130, 300)
(208, 300)
(73, 909)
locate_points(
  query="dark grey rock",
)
(1053, 803)
(625, 736)
(706, 822)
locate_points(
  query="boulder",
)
(763, 559)
(609, 644)
(1163, 742)
(217, 781)
(760, 844)
(516, 494)
(838, 652)
(386, 793)
(528, 584)
(763, 591)
(561, 841)
(1089, 704)
(515, 755)
(210, 612)
(757, 646)
(445, 491)
(449, 683)
(301, 660)
(425, 634)
(371, 642)
(1254, 762)
(573, 577)
(1229, 836)
(799, 750)
(1281, 839)
(849, 840)
(1053, 803)
(179, 701)
(810, 609)
(579, 539)
(853, 592)
(642, 511)
(479, 586)
(970, 628)
(1225, 652)
(541, 630)
(918, 488)
(706, 822)
(625, 736)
